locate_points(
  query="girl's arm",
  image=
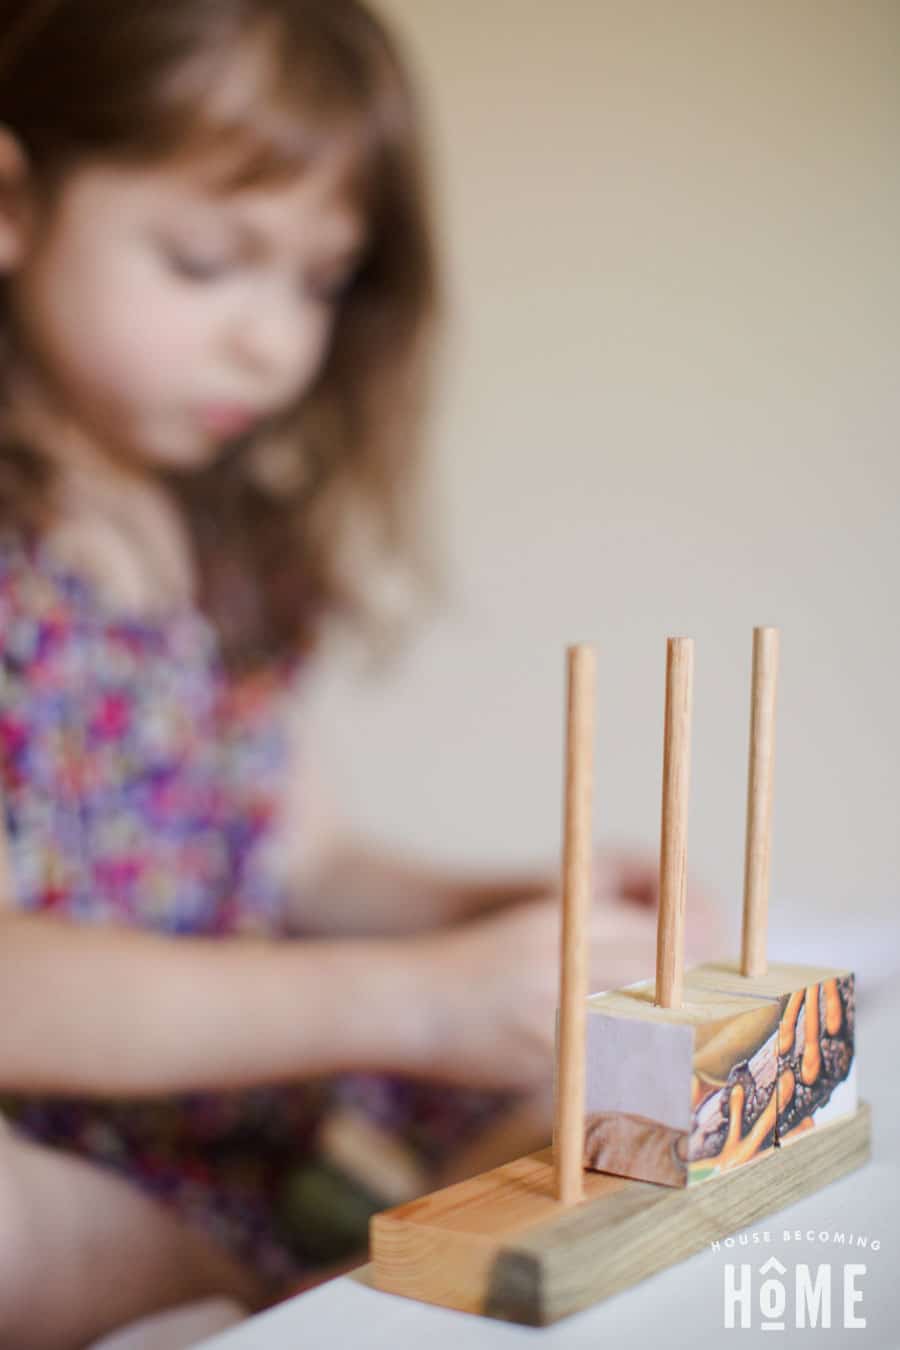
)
(119, 1012)
(360, 888)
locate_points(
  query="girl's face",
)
(160, 319)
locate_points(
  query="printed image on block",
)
(676, 1095)
(734, 1095)
(816, 1060)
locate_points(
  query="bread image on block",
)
(816, 1049)
(674, 1095)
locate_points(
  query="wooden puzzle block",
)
(816, 1037)
(675, 1095)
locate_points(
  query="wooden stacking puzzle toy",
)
(687, 1106)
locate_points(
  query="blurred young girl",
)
(218, 291)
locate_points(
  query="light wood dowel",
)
(673, 840)
(757, 850)
(577, 846)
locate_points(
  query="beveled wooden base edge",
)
(584, 1254)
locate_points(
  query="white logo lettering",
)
(813, 1300)
(734, 1295)
(812, 1296)
(772, 1297)
(852, 1296)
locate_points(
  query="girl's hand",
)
(496, 978)
(631, 876)
(620, 877)
(494, 987)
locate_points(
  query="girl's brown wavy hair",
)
(286, 526)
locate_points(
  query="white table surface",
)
(682, 1307)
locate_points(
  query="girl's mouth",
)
(228, 419)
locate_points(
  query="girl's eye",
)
(197, 268)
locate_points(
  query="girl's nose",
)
(278, 338)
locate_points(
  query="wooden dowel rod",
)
(757, 850)
(673, 840)
(568, 1134)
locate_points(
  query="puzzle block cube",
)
(816, 1041)
(676, 1095)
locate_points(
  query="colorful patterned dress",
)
(139, 785)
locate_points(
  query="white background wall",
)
(671, 407)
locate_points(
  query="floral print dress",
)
(139, 786)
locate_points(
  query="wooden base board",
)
(500, 1245)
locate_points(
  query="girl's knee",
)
(82, 1252)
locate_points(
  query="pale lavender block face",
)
(659, 1058)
